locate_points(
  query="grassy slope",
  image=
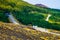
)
(20, 32)
(30, 14)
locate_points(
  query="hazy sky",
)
(50, 3)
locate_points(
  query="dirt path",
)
(44, 30)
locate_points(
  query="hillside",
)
(41, 5)
(9, 31)
(27, 14)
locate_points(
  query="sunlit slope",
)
(9, 31)
(30, 14)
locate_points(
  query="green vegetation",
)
(3, 17)
(30, 14)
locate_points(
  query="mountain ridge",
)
(41, 5)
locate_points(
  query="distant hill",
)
(41, 5)
(27, 14)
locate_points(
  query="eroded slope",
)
(9, 31)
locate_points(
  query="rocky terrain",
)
(9, 31)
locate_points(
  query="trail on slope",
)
(44, 30)
(47, 19)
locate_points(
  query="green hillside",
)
(30, 14)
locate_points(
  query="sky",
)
(49, 3)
